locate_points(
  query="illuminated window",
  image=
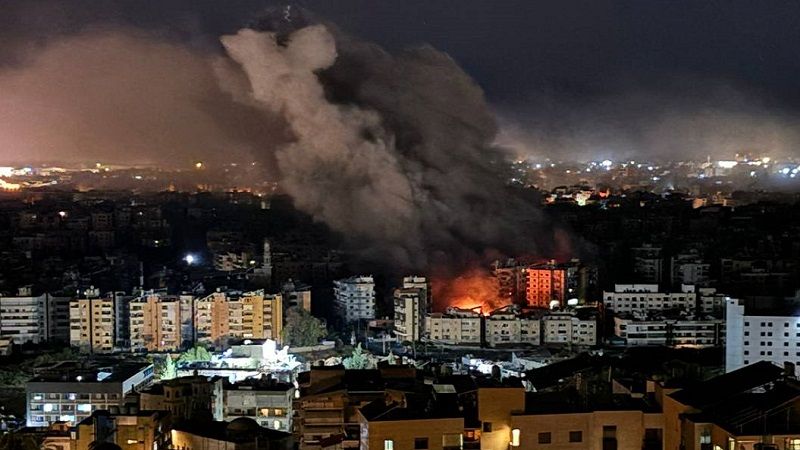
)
(515, 437)
(388, 444)
(792, 444)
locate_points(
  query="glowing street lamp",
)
(189, 258)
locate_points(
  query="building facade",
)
(752, 336)
(92, 325)
(160, 323)
(222, 316)
(355, 298)
(456, 327)
(70, 392)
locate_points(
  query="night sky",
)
(563, 76)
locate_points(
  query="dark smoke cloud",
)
(393, 151)
(688, 118)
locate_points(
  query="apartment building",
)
(160, 323)
(408, 314)
(670, 330)
(92, 325)
(355, 298)
(508, 327)
(761, 334)
(643, 298)
(546, 283)
(456, 327)
(224, 316)
(29, 318)
(569, 328)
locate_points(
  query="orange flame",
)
(475, 288)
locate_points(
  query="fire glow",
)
(473, 289)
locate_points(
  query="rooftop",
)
(91, 371)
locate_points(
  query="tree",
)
(169, 370)
(196, 353)
(301, 329)
(357, 360)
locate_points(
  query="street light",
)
(189, 258)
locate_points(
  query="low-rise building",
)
(185, 398)
(643, 298)
(268, 402)
(670, 330)
(508, 327)
(240, 434)
(70, 391)
(569, 328)
(126, 427)
(456, 326)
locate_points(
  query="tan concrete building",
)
(158, 322)
(223, 316)
(592, 430)
(568, 328)
(454, 327)
(92, 325)
(507, 327)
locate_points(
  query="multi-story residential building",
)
(194, 397)
(408, 315)
(70, 391)
(160, 322)
(355, 298)
(761, 334)
(648, 263)
(28, 318)
(92, 325)
(689, 268)
(223, 316)
(569, 328)
(546, 283)
(644, 298)
(122, 318)
(456, 326)
(677, 331)
(267, 402)
(421, 283)
(296, 295)
(507, 327)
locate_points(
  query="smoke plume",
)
(393, 151)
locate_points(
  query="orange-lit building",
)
(545, 283)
